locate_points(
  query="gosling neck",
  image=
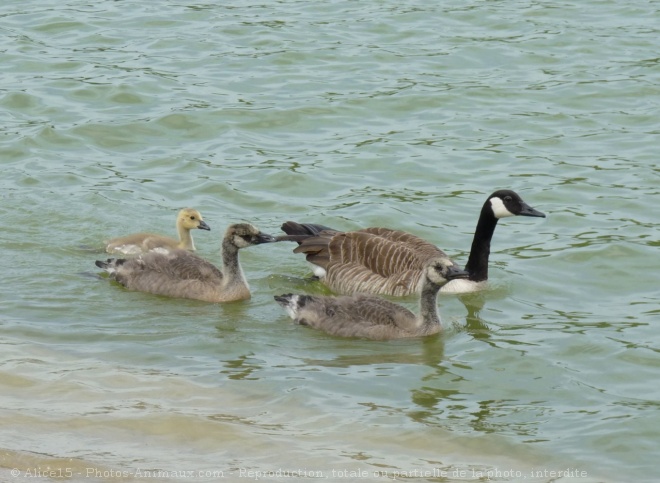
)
(477, 264)
(185, 238)
(232, 271)
(428, 307)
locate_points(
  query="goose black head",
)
(505, 203)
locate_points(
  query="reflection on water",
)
(428, 351)
(242, 368)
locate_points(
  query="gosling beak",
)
(265, 238)
(203, 226)
(456, 272)
(529, 211)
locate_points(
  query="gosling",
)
(182, 274)
(187, 219)
(372, 317)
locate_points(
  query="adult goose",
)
(391, 262)
(373, 317)
(180, 273)
(187, 219)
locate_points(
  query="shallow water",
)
(350, 114)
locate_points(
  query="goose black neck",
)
(477, 264)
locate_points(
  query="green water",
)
(401, 114)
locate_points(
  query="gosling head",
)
(505, 203)
(191, 219)
(243, 235)
(442, 270)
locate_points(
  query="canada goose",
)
(371, 316)
(180, 273)
(187, 219)
(385, 261)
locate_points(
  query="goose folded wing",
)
(413, 251)
(377, 311)
(181, 265)
(358, 316)
(382, 251)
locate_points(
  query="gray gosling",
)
(390, 262)
(187, 219)
(372, 317)
(180, 273)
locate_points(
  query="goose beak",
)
(265, 238)
(203, 226)
(456, 272)
(529, 211)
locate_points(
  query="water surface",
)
(350, 114)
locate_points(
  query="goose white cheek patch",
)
(499, 210)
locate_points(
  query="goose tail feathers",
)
(292, 303)
(309, 229)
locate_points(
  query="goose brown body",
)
(136, 243)
(179, 273)
(373, 317)
(372, 260)
(391, 262)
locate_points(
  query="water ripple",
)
(116, 114)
